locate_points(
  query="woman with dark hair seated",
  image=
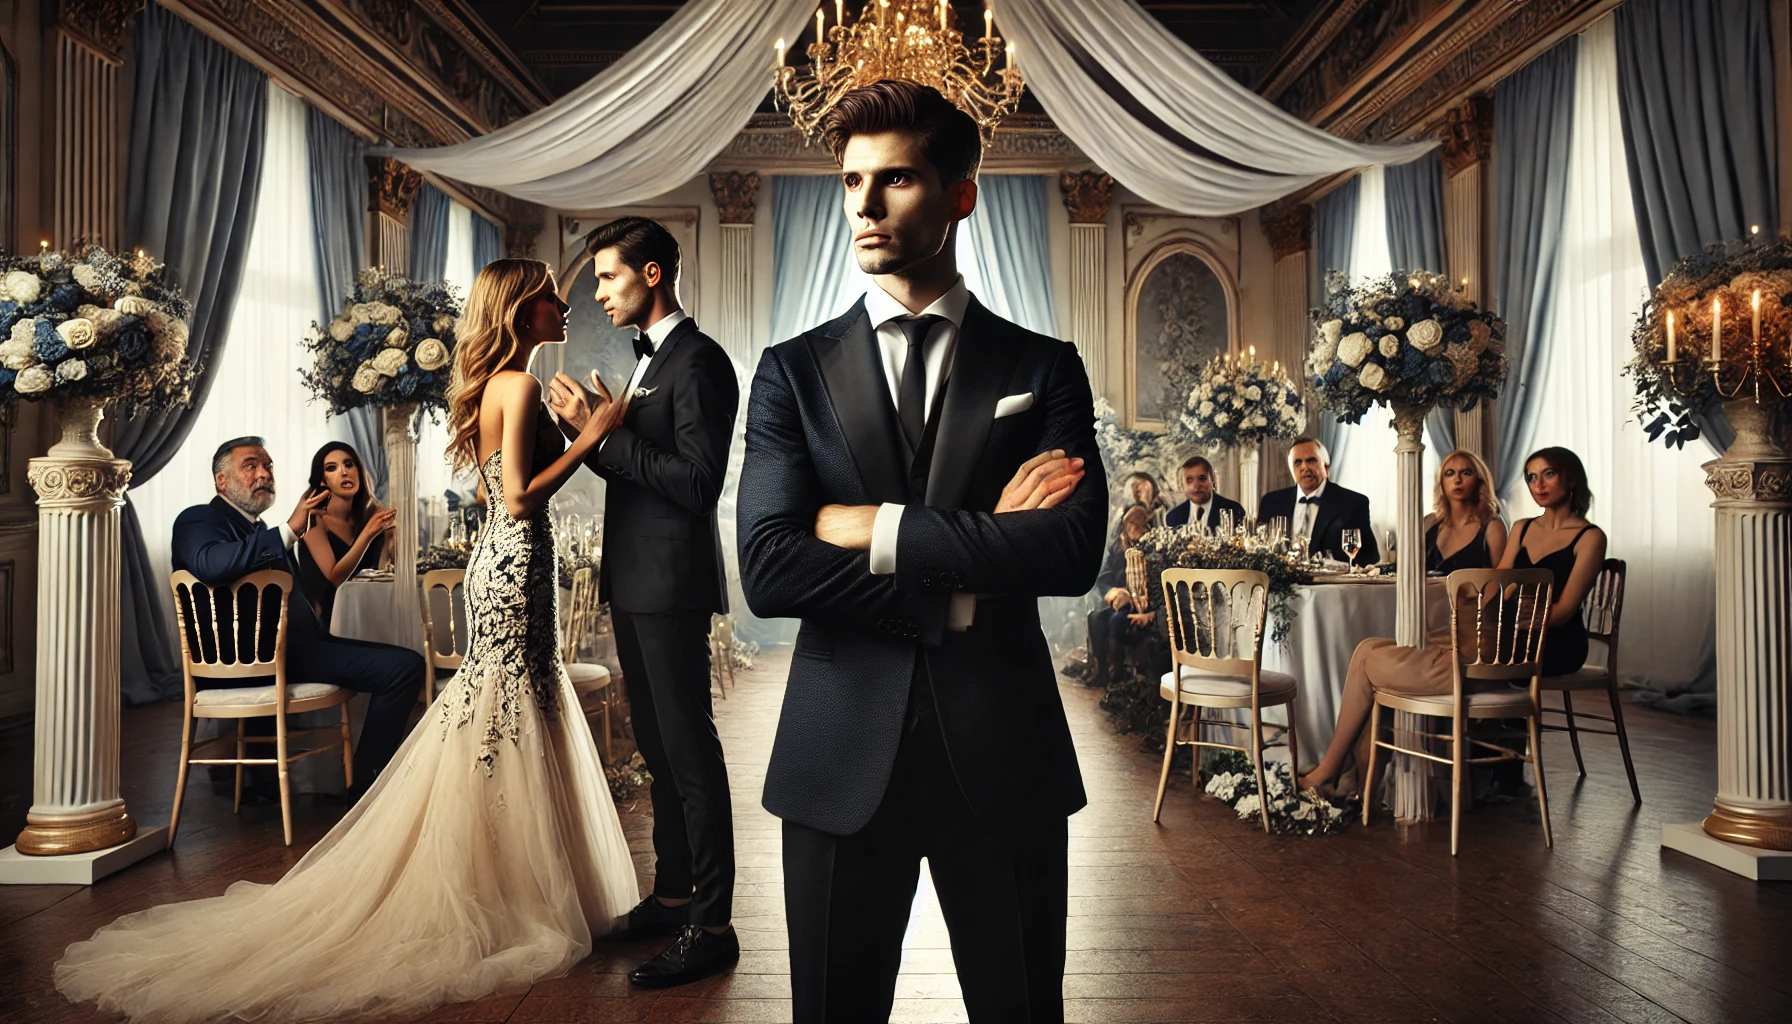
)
(1573, 550)
(1465, 520)
(1108, 626)
(356, 528)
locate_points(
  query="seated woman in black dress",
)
(1466, 518)
(356, 528)
(1564, 542)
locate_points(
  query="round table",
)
(369, 609)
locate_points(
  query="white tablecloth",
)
(368, 610)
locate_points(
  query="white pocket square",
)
(1013, 404)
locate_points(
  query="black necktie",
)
(912, 408)
(643, 345)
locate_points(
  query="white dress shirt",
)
(287, 537)
(1305, 512)
(937, 350)
(1197, 514)
(656, 336)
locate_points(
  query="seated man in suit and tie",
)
(224, 540)
(1319, 509)
(1204, 506)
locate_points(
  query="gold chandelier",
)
(900, 39)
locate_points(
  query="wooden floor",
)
(1200, 919)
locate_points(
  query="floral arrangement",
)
(1239, 402)
(1407, 339)
(743, 653)
(95, 324)
(571, 562)
(392, 345)
(1233, 781)
(628, 778)
(1730, 274)
(444, 555)
(1189, 547)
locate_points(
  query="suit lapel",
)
(1329, 506)
(981, 366)
(860, 394)
(661, 355)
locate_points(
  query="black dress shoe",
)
(694, 955)
(652, 919)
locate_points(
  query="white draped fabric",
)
(257, 389)
(1140, 102)
(434, 474)
(1650, 499)
(645, 125)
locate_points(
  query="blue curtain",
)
(1415, 194)
(429, 233)
(198, 130)
(1695, 85)
(488, 243)
(811, 253)
(335, 162)
(1334, 235)
(1533, 113)
(1011, 248)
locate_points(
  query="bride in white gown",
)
(488, 854)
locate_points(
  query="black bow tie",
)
(1304, 500)
(643, 345)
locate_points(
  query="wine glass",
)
(1353, 543)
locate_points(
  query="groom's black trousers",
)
(1002, 888)
(665, 664)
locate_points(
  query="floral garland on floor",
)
(1406, 339)
(1238, 403)
(93, 324)
(1232, 781)
(1731, 273)
(392, 345)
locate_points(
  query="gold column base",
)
(1765, 829)
(47, 839)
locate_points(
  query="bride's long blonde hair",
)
(485, 342)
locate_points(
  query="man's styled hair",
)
(221, 457)
(949, 138)
(1325, 457)
(1197, 460)
(638, 241)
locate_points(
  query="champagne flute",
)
(1353, 543)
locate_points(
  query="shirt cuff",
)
(961, 612)
(883, 538)
(287, 537)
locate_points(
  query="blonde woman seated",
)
(1560, 540)
(1465, 518)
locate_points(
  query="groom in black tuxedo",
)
(922, 716)
(1318, 507)
(662, 575)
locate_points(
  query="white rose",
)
(34, 380)
(1390, 345)
(16, 356)
(360, 312)
(367, 379)
(442, 324)
(87, 276)
(1375, 378)
(71, 370)
(1237, 401)
(1254, 393)
(21, 286)
(135, 305)
(390, 361)
(1426, 336)
(1331, 331)
(1222, 419)
(380, 313)
(341, 329)
(1394, 323)
(1259, 421)
(1206, 409)
(24, 332)
(431, 354)
(78, 333)
(1354, 348)
(397, 337)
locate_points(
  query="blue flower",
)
(1333, 375)
(418, 330)
(133, 344)
(363, 331)
(66, 297)
(49, 345)
(7, 377)
(407, 384)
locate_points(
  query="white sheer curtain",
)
(257, 389)
(1650, 499)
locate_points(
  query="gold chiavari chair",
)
(1502, 616)
(239, 632)
(435, 631)
(1601, 611)
(584, 614)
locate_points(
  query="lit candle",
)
(820, 27)
(839, 12)
(1010, 58)
(942, 15)
(1253, 355)
(989, 18)
(1671, 356)
(44, 246)
(1717, 331)
(780, 45)
(1757, 318)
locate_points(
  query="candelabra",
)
(1730, 378)
(912, 40)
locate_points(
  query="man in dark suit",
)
(225, 540)
(1319, 508)
(880, 504)
(1202, 506)
(662, 575)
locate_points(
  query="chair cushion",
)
(586, 676)
(1201, 683)
(249, 696)
(1514, 701)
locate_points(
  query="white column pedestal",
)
(1249, 485)
(1088, 300)
(1752, 815)
(401, 488)
(75, 808)
(1413, 796)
